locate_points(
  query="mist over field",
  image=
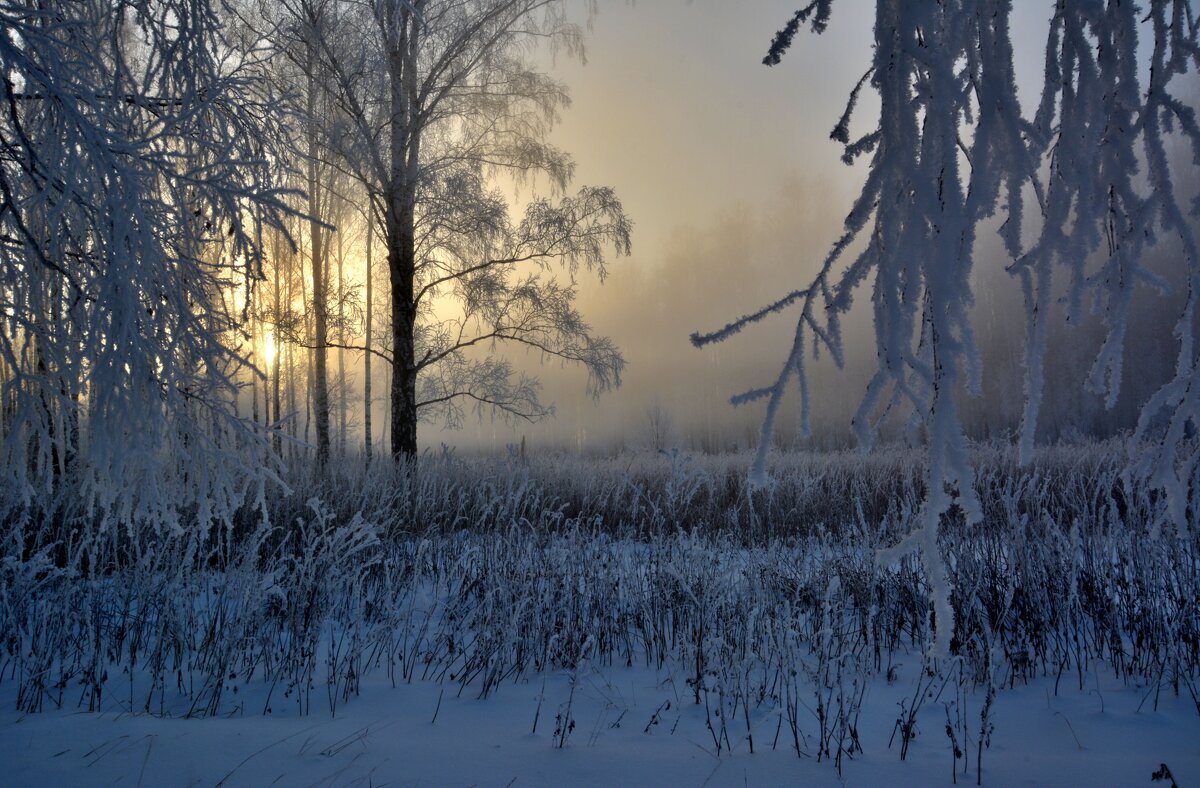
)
(737, 193)
(649, 310)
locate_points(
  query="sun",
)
(270, 349)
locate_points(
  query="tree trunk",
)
(367, 344)
(401, 265)
(343, 389)
(256, 337)
(306, 306)
(401, 237)
(293, 409)
(320, 317)
(278, 344)
(385, 434)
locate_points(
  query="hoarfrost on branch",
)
(953, 148)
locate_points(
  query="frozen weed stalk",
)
(792, 626)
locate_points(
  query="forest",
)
(346, 437)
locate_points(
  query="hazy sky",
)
(736, 191)
(674, 109)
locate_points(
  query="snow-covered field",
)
(389, 736)
(637, 621)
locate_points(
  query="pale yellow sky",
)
(675, 109)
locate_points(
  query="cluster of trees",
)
(411, 109)
(199, 195)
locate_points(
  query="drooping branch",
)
(133, 180)
(952, 148)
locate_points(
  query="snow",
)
(1105, 734)
(683, 650)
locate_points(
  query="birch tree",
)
(436, 97)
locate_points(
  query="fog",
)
(737, 193)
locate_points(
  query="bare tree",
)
(435, 97)
(659, 426)
(311, 23)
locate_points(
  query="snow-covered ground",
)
(1106, 735)
(553, 643)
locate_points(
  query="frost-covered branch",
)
(136, 161)
(952, 149)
